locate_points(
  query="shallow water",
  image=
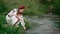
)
(43, 25)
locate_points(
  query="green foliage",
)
(31, 6)
(28, 24)
(54, 3)
(8, 29)
(3, 7)
(57, 7)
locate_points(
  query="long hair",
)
(20, 7)
(18, 11)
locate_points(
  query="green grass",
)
(32, 8)
(8, 29)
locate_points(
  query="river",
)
(43, 25)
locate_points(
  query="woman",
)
(15, 17)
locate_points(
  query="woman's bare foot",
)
(24, 28)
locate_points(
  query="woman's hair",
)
(19, 8)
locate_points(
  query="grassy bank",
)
(8, 29)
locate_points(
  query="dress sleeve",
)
(12, 12)
(22, 21)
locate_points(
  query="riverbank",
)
(8, 29)
(47, 24)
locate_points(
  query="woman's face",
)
(21, 11)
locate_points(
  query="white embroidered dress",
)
(11, 19)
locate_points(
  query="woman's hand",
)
(17, 17)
